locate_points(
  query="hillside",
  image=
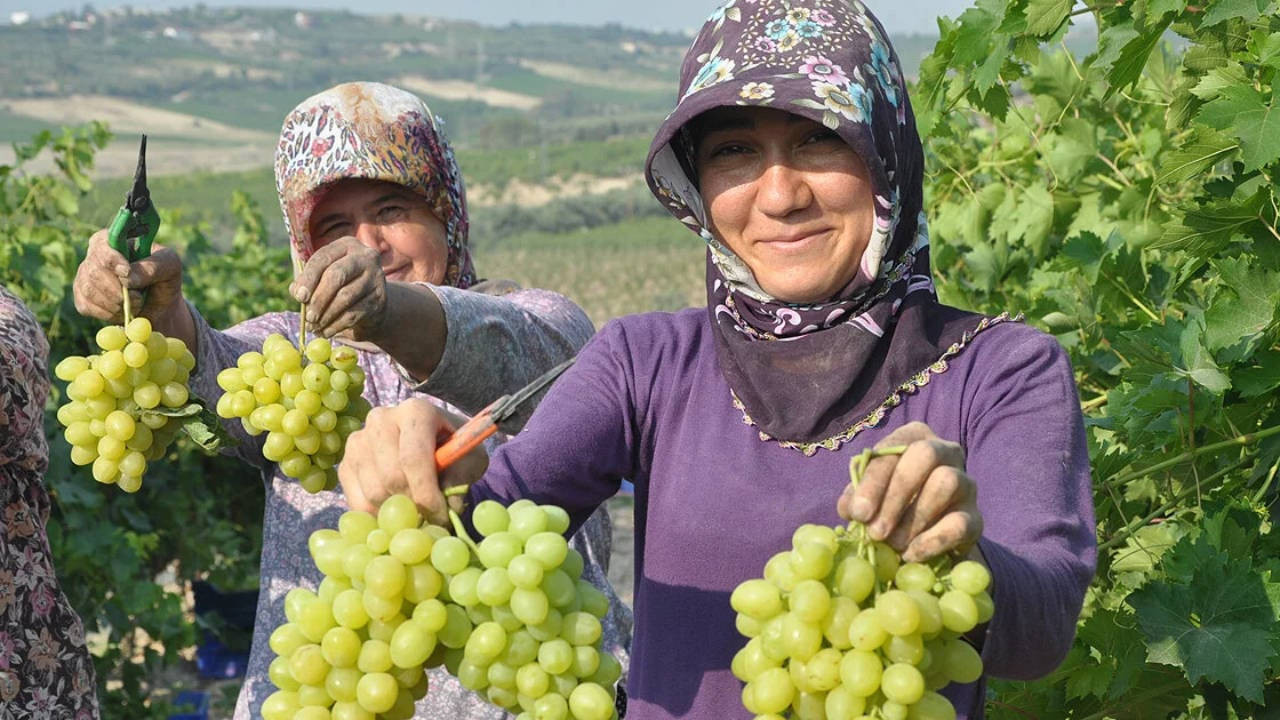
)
(211, 85)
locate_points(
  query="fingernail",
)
(860, 509)
(312, 318)
(879, 531)
(301, 294)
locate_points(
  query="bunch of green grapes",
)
(306, 403)
(536, 645)
(110, 393)
(399, 597)
(840, 629)
(358, 648)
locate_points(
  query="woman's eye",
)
(822, 136)
(333, 230)
(729, 149)
(390, 212)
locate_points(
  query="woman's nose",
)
(370, 235)
(782, 189)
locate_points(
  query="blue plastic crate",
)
(197, 701)
(215, 660)
(234, 612)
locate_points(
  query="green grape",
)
(82, 455)
(384, 576)
(986, 607)
(129, 483)
(757, 598)
(295, 422)
(930, 612)
(959, 612)
(904, 649)
(547, 548)
(549, 628)
(580, 628)
(499, 549)
(843, 705)
(307, 665)
(315, 377)
(348, 609)
(822, 671)
(887, 562)
(340, 647)
(902, 683)
(280, 705)
(811, 533)
(422, 582)
(332, 585)
(586, 660)
(295, 464)
(573, 564)
(489, 517)
(90, 383)
(525, 572)
(355, 525)
(135, 355)
(449, 555)
(531, 606)
(291, 384)
(932, 706)
(138, 330)
(559, 588)
(142, 438)
(319, 350)
(898, 612)
(555, 656)
(315, 619)
(380, 608)
(609, 672)
(278, 672)
(308, 402)
(890, 710)
(350, 711)
(112, 365)
(800, 638)
(551, 707)
(493, 587)
(779, 571)
(70, 367)
(376, 692)
(375, 657)
(486, 643)
(860, 672)
(810, 600)
(325, 421)
(457, 628)
(914, 576)
(835, 625)
(411, 546)
(398, 513)
(411, 644)
(532, 680)
(773, 691)
(105, 470)
(174, 395)
(341, 683)
(962, 663)
(78, 433)
(527, 521)
(589, 701)
(162, 371)
(812, 561)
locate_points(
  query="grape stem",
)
(857, 467)
(461, 531)
(124, 292)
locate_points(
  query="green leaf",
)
(1223, 10)
(1196, 362)
(1157, 9)
(1082, 252)
(1268, 50)
(1034, 218)
(1204, 229)
(1133, 58)
(1044, 16)
(1204, 150)
(1244, 111)
(1217, 626)
(1247, 306)
(977, 24)
(1218, 79)
(1259, 379)
(189, 410)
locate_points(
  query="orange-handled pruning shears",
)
(485, 423)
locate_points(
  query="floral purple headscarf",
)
(815, 375)
(375, 132)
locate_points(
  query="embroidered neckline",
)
(911, 385)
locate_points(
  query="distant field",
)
(629, 267)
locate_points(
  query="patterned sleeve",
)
(24, 385)
(219, 349)
(496, 344)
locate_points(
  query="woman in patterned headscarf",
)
(45, 669)
(376, 212)
(793, 153)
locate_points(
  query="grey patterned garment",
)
(520, 334)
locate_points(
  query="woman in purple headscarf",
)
(793, 153)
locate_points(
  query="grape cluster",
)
(510, 618)
(306, 403)
(840, 629)
(114, 416)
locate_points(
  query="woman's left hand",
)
(345, 290)
(921, 502)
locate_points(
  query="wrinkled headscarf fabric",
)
(814, 375)
(374, 132)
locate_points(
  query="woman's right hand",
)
(394, 454)
(98, 280)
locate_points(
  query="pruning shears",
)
(485, 423)
(136, 224)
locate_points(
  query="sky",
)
(898, 16)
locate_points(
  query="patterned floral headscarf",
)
(815, 375)
(375, 132)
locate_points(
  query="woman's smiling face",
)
(788, 196)
(389, 218)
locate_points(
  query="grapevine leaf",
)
(1196, 362)
(1157, 9)
(1111, 42)
(1204, 150)
(1133, 58)
(1269, 50)
(1224, 10)
(985, 77)
(1205, 229)
(1034, 218)
(1247, 306)
(1259, 379)
(1215, 626)
(1117, 646)
(1216, 80)
(189, 410)
(1044, 16)
(1071, 149)
(205, 431)
(1245, 112)
(977, 24)
(1082, 252)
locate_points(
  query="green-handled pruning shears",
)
(138, 219)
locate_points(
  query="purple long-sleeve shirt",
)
(646, 400)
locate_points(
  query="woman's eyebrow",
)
(331, 217)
